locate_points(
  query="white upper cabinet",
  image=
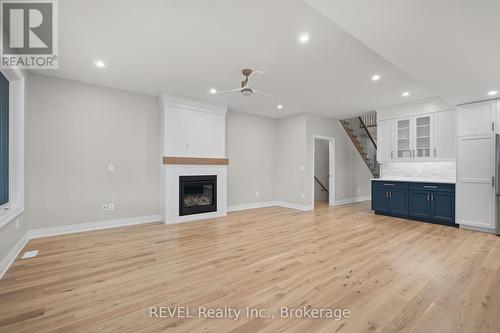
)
(445, 135)
(384, 141)
(425, 137)
(477, 118)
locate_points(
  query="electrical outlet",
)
(105, 206)
(257, 194)
(301, 168)
(111, 167)
(302, 195)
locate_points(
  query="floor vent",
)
(30, 254)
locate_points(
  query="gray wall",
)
(250, 147)
(290, 157)
(10, 235)
(73, 130)
(352, 177)
(321, 168)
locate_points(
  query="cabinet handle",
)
(388, 184)
(390, 194)
(428, 186)
(386, 194)
(435, 154)
(493, 181)
(392, 153)
(432, 197)
(428, 197)
(492, 126)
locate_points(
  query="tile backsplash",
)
(424, 170)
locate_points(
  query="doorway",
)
(323, 171)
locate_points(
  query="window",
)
(4, 140)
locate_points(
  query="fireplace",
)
(197, 194)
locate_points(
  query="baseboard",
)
(351, 200)
(12, 255)
(236, 208)
(294, 206)
(474, 228)
(106, 224)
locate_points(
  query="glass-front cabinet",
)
(413, 138)
(403, 139)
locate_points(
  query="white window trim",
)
(11, 210)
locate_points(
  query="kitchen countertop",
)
(416, 180)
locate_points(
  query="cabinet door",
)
(445, 138)
(423, 137)
(384, 141)
(443, 206)
(398, 202)
(402, 144)
(475, 186)
(420, 204)
(476, 118)
(380, 202)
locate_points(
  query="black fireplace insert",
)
(197, 194)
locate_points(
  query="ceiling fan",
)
(247, 85)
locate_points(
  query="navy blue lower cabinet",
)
(419, 201)
(443, 207)
(380, 202)
(398, 202)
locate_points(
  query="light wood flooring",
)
(392, 274)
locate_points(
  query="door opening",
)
(323, 175)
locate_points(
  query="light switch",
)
(301, 168)
(111, 167)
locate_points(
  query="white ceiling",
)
(450, 46)
(186, 47)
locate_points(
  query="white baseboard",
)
(236, 208)
(283, 204)
(106, 224)
(474, 228)
(12, 255)
(351, 200)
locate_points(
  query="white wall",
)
(321, 168)
(352, 176)
(251, 149)
(73, 130)
(193, 128)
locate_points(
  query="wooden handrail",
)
(367, 131)
(321, 185)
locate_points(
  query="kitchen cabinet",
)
(384, 141)
(477, 118)
(427, 137)
(476, 181)
(445, 135)
(431, 202)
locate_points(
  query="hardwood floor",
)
(392, 274)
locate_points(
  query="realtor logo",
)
(29, 34)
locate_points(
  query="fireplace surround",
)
(197, 194)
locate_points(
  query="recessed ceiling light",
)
(405, 94)
(493, 92)
(303, 38)
(213, 91)
(100, 63)
(280, 107)
(375, 77)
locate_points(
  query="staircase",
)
(363, 133)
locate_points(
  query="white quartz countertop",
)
(416, 180)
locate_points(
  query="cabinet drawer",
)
(389, 184)
(432, 187)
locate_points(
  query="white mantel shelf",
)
(195, 160)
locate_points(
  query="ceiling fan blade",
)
(253, 78)
(263, 94)
(228, 91)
